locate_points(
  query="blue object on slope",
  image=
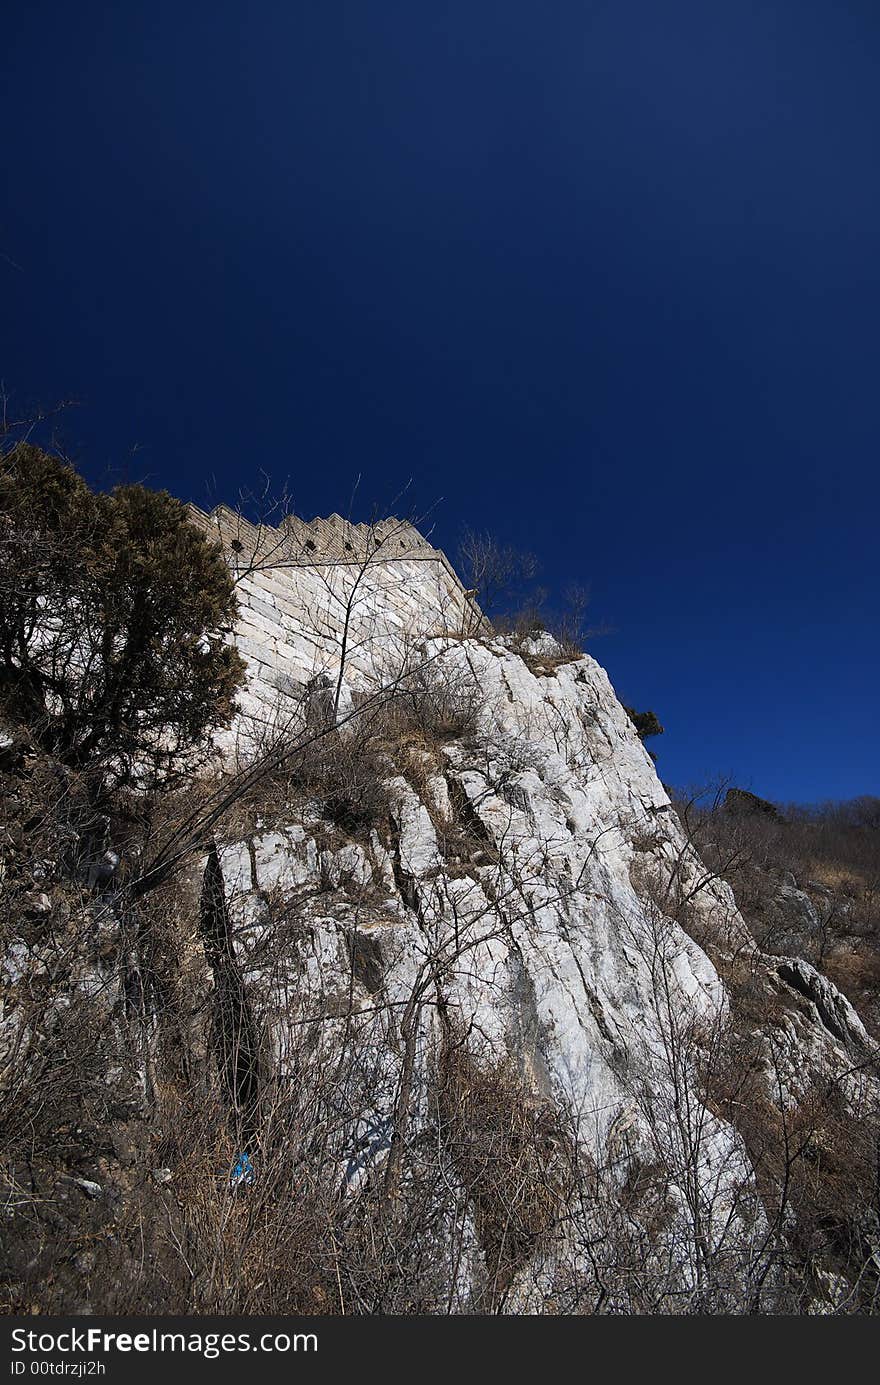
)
(243, 1174)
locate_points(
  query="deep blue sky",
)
(603, 276)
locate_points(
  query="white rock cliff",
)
(519, 906)
(515, 991)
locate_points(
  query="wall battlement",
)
(321, 540)
(306, 586)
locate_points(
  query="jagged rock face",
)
(519, 902)
(536, 941)
(833, 1010)
(527, 898)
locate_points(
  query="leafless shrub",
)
(807, 881)
(492, 568)
(512, 1155)
(810, 1147)
(815, 1164)
(345, 773)
(438, 703)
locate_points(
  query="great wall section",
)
(314, 594)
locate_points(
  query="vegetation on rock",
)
(113, 611)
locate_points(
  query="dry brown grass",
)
(512, 1155)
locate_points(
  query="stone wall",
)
(304, 588)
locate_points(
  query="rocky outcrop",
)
(530, 899)
(521, 902)
(520, 921)
(832, 1009)
(743, 803)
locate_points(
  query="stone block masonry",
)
(309, 589)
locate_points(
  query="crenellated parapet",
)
(319, 540)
